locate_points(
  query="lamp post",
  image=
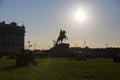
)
(84, 44)
(29, 45)
(106, 45)
(35, 45)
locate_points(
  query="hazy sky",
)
(44, 18)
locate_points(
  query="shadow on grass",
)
(12, 67)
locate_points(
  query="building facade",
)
(11, 37)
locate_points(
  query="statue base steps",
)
(60, 50)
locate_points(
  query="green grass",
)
(61, 69)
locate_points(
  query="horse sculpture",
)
(61, 37)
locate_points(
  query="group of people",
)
(116, 58)
(25, 58)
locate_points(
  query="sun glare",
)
(80, 15)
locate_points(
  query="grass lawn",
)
(61, 69)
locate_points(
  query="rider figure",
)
(61, 36)
(60, 31)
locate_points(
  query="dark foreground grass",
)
(61, 69)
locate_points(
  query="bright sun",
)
(80, 15)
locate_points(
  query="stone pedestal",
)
(60, 50)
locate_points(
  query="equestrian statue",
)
(61, 37)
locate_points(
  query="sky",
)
(43, 20)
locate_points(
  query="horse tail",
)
(66, 38)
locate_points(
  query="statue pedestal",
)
(60, 50)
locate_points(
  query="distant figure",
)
(116, 58)
(61, 36)
(20, 58)
(1, 55)
(25, 59)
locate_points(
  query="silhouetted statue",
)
(60, 49)
(61, 36)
